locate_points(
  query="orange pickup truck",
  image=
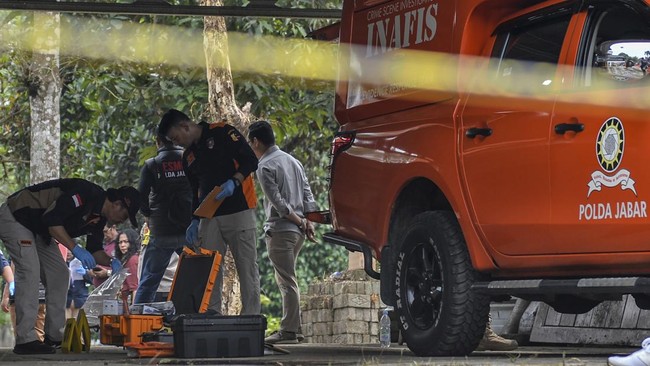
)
(491, 148)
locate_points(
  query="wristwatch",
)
(303, 225)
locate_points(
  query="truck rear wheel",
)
(438, 312)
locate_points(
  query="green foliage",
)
(110, 109)
(272, 321)
(109, 112)
(5, 319)
(120, 106)
(14, 123)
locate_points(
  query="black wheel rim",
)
(424, 285)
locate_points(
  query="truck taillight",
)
(342, 141)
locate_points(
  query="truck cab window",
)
(619, 50)
(529, 53)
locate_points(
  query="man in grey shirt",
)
(287, 198)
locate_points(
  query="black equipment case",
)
(211, 335)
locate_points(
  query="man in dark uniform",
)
(217, 155)
(59, 209)
(166, 202)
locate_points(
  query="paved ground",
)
(314, 354)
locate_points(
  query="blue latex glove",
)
(84, 256)
(116, 265)
(227, 189)
(192, 232)
(80, 271)
(12, 288)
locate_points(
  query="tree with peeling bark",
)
(44, 97)
(221, 95)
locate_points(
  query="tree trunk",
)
(223, 107)
(221, 95)
(44, 99)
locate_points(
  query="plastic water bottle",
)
(336, 276)
(384, 330)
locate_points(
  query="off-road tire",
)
(438, 312)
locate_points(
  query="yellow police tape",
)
(400, 70)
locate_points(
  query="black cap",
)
(131, 199)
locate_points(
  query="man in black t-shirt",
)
(60, 209)
(217, 155)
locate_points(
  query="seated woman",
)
(128, 244)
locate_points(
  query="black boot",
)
(33, 348)
(51, 343)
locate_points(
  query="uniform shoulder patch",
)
(217, 125)
(190, 158)
(233, 135)
(76, 198)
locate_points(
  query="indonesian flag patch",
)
(77, 200)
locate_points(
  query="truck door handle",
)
(562, 128)
(474, 131)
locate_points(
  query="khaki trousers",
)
(34, 259)
(283, 248)
(237, 232)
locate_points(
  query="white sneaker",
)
(638, 358)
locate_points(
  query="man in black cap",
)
(59, 209)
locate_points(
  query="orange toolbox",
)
(191, 290)
(120, 329)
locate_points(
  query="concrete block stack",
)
(342, 309)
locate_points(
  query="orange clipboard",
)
(209, 206)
